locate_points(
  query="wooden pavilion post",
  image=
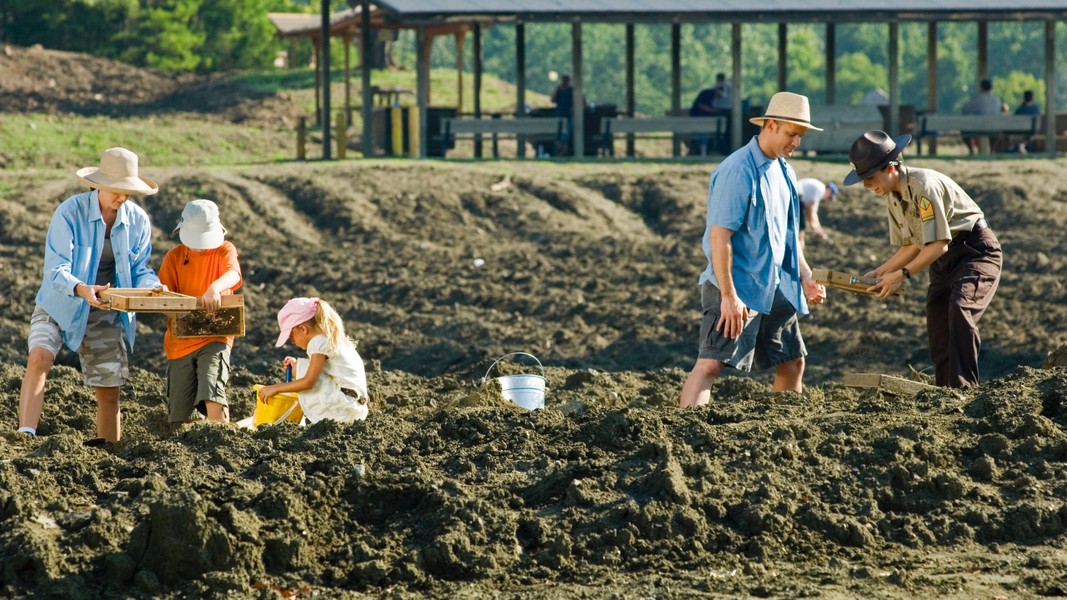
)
(422, 91)
(931, 79)
(831, 63)
(893, 57)
(783, 57)
(1050, 87)
(326, 155)
(736, 118)
(630, 105)
(520, 81)
(983, 50)
(318, 80)
(676, 81)
(478, 85)
(367, 100)
(578, 108)
(348, 78)
(460, 37)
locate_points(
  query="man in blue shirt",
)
(757, 282)
(95, 240)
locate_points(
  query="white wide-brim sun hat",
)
(199, 226)
(117, 173)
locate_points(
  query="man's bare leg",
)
(697, 388)
(789, 376)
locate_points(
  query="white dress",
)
(341, 384)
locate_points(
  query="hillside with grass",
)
(61, 108)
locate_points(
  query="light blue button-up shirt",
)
(744, 198)
(72, 251)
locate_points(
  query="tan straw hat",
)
(117, 173)
(787, 107)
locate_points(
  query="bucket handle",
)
(282, 418)
(486, 376)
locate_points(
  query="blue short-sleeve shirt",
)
(756, 198)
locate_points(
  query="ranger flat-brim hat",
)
(789, 108)
(117, 173)
(871, 152)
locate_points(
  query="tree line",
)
(224, 35)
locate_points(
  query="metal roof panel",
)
(615, 9)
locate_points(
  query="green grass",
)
(51, 141)
(43, 141)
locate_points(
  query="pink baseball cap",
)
(295, 312)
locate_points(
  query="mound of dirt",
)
(36, 79)
(447, 490)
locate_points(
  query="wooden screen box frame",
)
(146, 300)
(845, 281)
(228, 321)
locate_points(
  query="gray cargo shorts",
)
(102, 353)
(766, 340)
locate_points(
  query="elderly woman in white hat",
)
(757, 282)
(96, 239)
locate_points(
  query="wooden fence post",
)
(301, 138)
(342, 137)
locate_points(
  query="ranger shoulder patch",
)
(926, 209)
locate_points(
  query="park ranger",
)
(935, 224)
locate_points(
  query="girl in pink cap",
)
(331, 382)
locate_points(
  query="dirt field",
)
(449, 491)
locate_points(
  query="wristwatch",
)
(906, 272)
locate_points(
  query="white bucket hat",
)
(117, 173)
(788, 107)
(199, 227)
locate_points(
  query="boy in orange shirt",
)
(204, 265)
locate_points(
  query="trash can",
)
(435, 142)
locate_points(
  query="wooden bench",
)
(982, 126)
(647, 127)
(841, 125)
(549, 128)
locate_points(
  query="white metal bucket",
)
(528, 391)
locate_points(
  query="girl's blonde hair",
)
(331, 325)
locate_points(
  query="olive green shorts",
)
(196, 378)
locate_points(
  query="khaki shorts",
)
(767, 340)
(196, 378)
(102, 353)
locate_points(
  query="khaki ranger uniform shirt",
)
(929, 207)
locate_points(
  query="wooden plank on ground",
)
(846, 281)
(146, 300)
(888, 383)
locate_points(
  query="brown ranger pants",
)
(962, 282)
